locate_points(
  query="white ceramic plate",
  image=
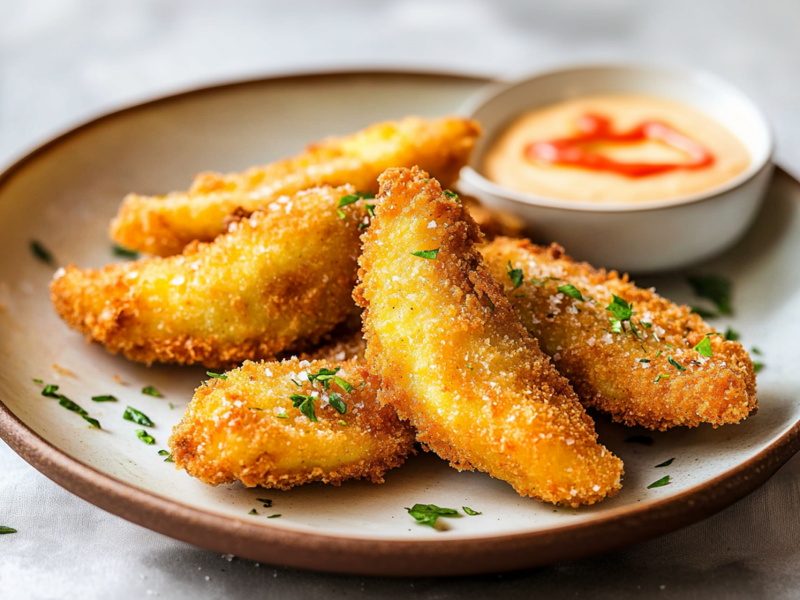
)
(64, 195)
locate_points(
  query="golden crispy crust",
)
(232, 429)
(604, 367)
(268, 284)
(163, 225)
(455, 360)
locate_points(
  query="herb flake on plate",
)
(4, 529)
(428, 514)
(149, 390)
(470, 512)
(124, 252)
(42, 253)
(666, 463)
(137, 416)
(660, 483)
(106, 398)
(145, 437)
(715, 288)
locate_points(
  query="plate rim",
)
(271, 544)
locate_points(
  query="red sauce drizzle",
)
(596, 129)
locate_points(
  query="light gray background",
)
(63, 61)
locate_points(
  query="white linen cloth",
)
(63, 61)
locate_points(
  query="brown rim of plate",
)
(365, 556)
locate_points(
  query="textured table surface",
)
(64, 61)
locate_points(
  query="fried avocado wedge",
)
(258, 426)
(163, 225)
(271, 282)
(455, 360)
(626, 351)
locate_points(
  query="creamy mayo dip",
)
(614, 148)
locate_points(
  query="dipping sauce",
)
(615, 148)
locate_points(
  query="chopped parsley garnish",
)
(370, 210)
(265, 501)
(616, 325)
(138, 417)
(123, 252)
(343, 384)
(324, 376)
(274, 516)
(660, 377)
(70, 405)
(471, 512)
(731, 335)
(644, 440)
(353, 198)
(171, 405)
(704, 347)
(50, 391)
(42, 253)
(658, 353)
(545, 280)
(660, 483)
(429, 254)
(92, 422)
(756, 351)
(337, 403)
(343, 423)
(145, 437)
(107, 398)
(341, 213)
(149, 390)
(666, 463)
(675, 363)
(253, 511)
(703, 313)
(715, 288)
(758, 366)
(4, 529)
(39, 381)
(644, 360)
(282, 416)
(216, 375)
(450, 194)
(570, 290)
(255, 408)
(362, 226)
(167, 454)
(514, 274)
(645, 324)
(427, 514)
(305, 404)
(620, 309)
(669, 346)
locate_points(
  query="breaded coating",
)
(493, 223)
(245, 427)
(279, 277)
(455, 360)
(649, 374)
(163, 225)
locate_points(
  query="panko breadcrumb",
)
(648, 374)
(163, 225)
(455, 360)
(271, 282)
(246, 428)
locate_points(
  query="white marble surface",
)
(63, 61)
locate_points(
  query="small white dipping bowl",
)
(644, 237)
